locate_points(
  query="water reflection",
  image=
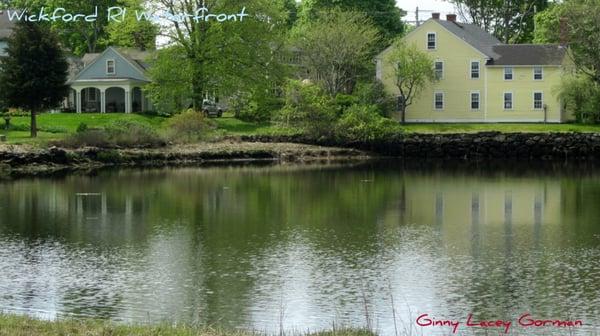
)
(304, 247)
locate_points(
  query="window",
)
(538, 100)
(508, 100)
(475, 70)
(431, 41)
(508, 73)
(439, 70)
(439, 100)
(110, 67)
(475, 100)
(538, 73)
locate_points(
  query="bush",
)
(362, 123)
(308, 108)
(581, 97)
(122, 133)
(373, 93)
(189, 126)
(82, 127)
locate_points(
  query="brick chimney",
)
(451, 17)
(435, 16)
(563, 31)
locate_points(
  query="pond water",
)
(308, 247)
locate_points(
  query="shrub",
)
(362, 123)
(189, 125)
(123, 133)
(308, 108)
(373, 93)
(82, 127)
(581, 97)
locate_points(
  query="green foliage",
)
(132, 33)
(122, 133)
(363, 123)
(373, 93)
(581, 97)
(171, 72)
(82, 127)
(189, 126)
(547, 24)
(309, 108)
(338, 48)
(384, 14)
(413, 71)
(510, 21)
(584, 35)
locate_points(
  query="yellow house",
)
(480, 78)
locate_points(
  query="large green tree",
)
(34, 74)
(229, 56)
(337, 48)
(383, 14)
(511, 21)
(583, 34)
(548, 24)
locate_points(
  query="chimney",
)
(451, 17)
(435, 16)
(563, 32)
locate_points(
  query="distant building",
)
(480, 78)
(5, 30)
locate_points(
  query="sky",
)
(426, 7)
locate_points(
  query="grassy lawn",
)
(505, 128)
(24, 326)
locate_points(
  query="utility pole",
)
(417, 16)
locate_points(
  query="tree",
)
(171, 72)
(384, 14)
(583, 33)
(131, 32)
(337, 48)
(79, 37)
(34, 74)
(511, 21)
(413, 70)
(548, 25)
(230, 56)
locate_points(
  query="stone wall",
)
(489, 145)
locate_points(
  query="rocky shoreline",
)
(25, 160)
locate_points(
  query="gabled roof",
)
(136, 58)
(5, 25)
(473, 35)
(529, 54)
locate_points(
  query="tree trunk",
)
(197, 87)
(403, 116)
(33, 124)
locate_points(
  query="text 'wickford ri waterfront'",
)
(524, 321)
(119, 14)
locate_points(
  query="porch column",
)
(103, 100)
(127, 100)
(143, 99)
(78, 100)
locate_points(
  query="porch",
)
(108, 97)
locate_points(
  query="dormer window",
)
(431, 41)
(110, 67)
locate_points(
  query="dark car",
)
(211, 109)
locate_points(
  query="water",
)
(307, 248)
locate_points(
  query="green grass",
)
(504, 128)
(25, 326)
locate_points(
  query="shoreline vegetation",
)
(72, 142)
(14, 325)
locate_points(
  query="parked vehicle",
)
(211, 109)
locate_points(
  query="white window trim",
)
(541, 68)
(471, 69)
(512, 101)
(512, 73)
(443, 100)
(533, 96)
(471, 100)
(427, 41)
(443, 68)
(114, 67)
